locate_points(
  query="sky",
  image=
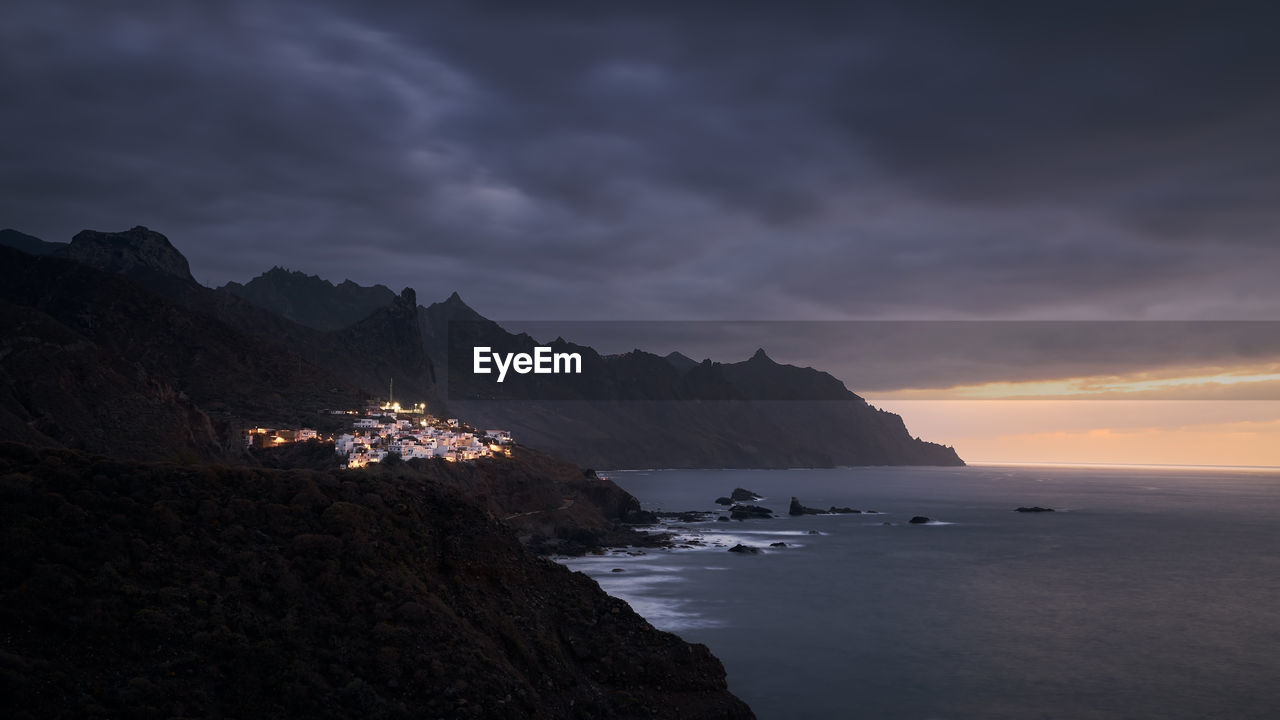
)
(692, 161)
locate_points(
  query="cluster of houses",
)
(261, 437)
(373, 438)
(385, 429)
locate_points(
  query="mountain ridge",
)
(752, 413)
(311, 300)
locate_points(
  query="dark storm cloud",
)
(663, 161)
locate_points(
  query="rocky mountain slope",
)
(155, 346)
(60, 388)
(141, 590)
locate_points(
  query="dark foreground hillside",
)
(202, 591)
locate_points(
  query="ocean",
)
(1148, 593)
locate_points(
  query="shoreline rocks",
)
(744, 512)
(688, 516)
(798, 509)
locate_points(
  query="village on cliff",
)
(390, 429)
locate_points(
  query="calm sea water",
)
(1149, 594)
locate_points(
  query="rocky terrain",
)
(79, 342)
(159, 590)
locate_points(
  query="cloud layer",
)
(649, 160)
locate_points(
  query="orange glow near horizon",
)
(1167, 432)
(1215, 382)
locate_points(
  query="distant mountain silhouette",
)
(636, 409)
(681, 362)
(381, 345)
(29, 244)
(311, 301)
(641, 410)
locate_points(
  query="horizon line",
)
(1153, 466)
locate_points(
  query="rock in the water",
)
(617, 570)
(741, 495)
(1034, 508)
(742, 512)
(814, 532)
(686, 516)
(920, 520)
(724, 500)
(798, 509)
(745, 549)
(844, 510)
(723, 518)
(777, 544)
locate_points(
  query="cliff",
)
(161, 591)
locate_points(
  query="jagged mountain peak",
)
(454, 308)
(311, 300)
(761, 356)
(680, 361)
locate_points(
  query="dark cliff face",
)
(137, 251)
(387, 346)
(641, 410)
(310, 300)
(157, 590)
(552, 505)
